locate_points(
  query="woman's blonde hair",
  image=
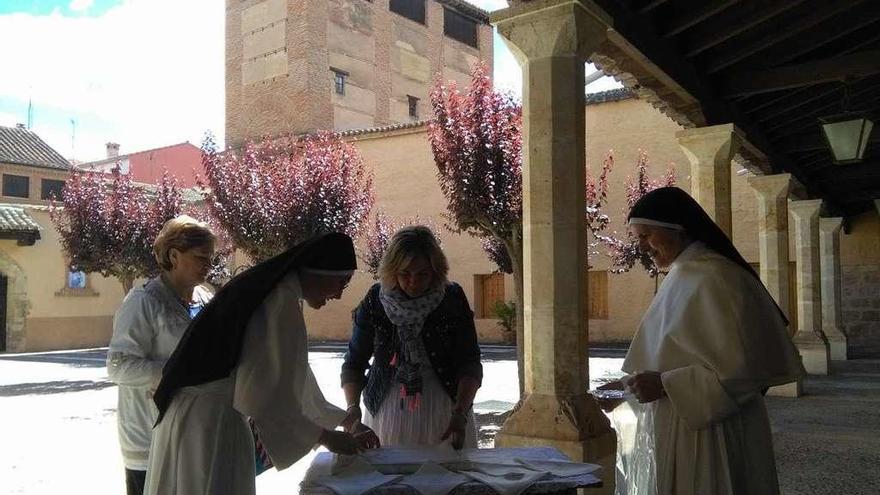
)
(182, 233)
(406, 244)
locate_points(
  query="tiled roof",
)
(590, 99)
(14, 219)
(383, 128)
(610, 95)
(468, 8)
(24, 147)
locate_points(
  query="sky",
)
(142, 73)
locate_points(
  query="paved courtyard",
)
(58, 424)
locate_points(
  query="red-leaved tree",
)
(624, 250)
(107, 224)
(596, 198)
(379, 234)
(276, 192)
(476, 138)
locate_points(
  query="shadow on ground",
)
(56, 387)
(91, 358)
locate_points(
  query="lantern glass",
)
(847, 137)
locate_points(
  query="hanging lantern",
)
(847, 135)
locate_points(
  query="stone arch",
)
(17, 304)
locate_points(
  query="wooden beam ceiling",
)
(697, 16)
(855, 65)
(815, 141)
(774, 33)
(834, 28)
(769, 66)
(707, 35)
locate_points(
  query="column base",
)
(815, 355)
(837, 347)
(575, 425)
(793, 389)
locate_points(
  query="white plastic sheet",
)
(636, 467)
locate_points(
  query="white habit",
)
(204, 445)
(718, 340)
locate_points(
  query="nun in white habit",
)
(710, 344)
(246, 356)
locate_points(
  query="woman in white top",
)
(146, 330)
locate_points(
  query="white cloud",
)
(147, 73)
(81, 5)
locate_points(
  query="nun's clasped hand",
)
(646, 386)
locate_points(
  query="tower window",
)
(411, 9)
(413, 106)
(459, 27)
(339, 77)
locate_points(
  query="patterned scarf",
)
(409, 315)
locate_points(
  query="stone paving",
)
(828, 441)
(58, 428)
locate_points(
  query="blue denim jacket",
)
(449, 336)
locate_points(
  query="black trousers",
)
(134, 481)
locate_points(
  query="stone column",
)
(809, 339)
(710, 151)
(829, 254)
(772, 192)
(551, 45)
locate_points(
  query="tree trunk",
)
(515, 251)
(127, 282)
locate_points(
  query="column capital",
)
(552, 28)
(805, 209)
(710, 133)
(771, 187)
(830, 225)
(710, 150)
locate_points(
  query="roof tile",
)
(23, 147)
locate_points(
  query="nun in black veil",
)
(711, 342)
(246, 356)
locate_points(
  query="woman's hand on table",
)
(340, 442)
(365, 436)
(456, 429)
(352, 418)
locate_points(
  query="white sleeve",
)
(133, 331)
(699, 397)
(273, 384)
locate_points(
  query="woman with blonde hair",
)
(419, 330)
(146, 330)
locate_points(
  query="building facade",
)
(43, 305)
(295, 66)
(182, 160)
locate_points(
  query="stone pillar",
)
(829, 254)
(710, 151)
(551, 45)
(809, 339)
(772, 192)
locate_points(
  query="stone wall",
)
(860, 301)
